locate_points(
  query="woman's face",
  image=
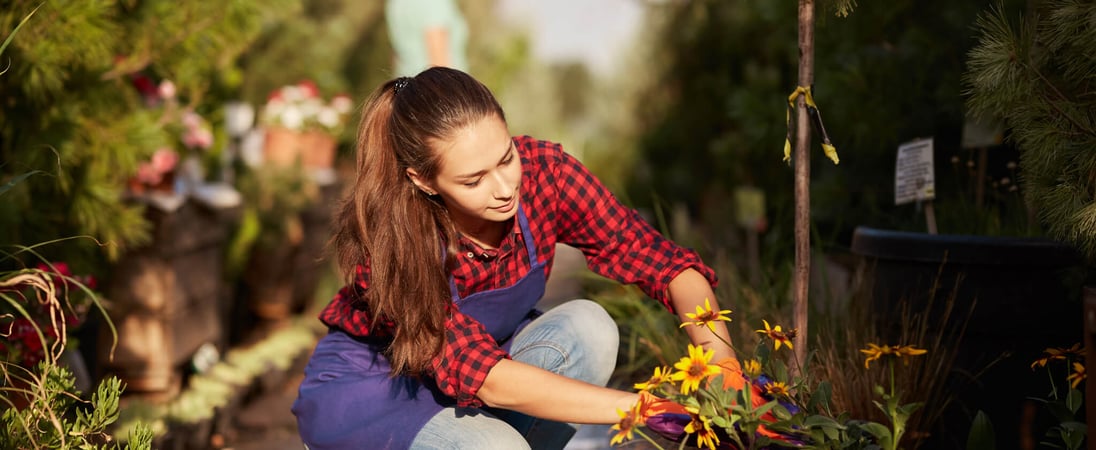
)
(479, 175)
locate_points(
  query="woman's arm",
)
(687, 291)
(437, 46)
(537, 392)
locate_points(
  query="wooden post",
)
(802, 183)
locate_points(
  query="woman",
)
(446, 240)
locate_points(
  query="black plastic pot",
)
(1026, 294)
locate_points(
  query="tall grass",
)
(931, 379)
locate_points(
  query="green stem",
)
(717, 336)
(890, 366)
(648, 439)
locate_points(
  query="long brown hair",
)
(389, 224)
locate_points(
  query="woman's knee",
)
(577, 339)
(453, 428)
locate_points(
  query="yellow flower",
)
(661, 375)
(694, 368)
(706, 316)
(908, 350)
(778, 336)
(702, 428)
(1052, 354)
(777, 388)
(1077, 375)
(752, 368)
(625, 427)
(875, 352)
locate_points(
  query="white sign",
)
(914, 178)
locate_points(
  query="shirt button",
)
(471, 255)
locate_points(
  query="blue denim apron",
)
(348, 400)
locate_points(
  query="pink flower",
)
(342, 103)
(148, 174)
(198, 138)
(309, 88)
(166, 90)
(61, 268)
(164, 160)
(192, 120)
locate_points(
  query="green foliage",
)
(341, 45)
(41, 407)
(73, 106)
(1036, 76)
(56, 417)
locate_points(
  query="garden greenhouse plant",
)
(755, 404)
(42, 408)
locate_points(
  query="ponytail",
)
(386, 223)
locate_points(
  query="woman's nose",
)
(504, 189)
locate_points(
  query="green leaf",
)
(820, 399)
(1060, 411)
(879, 431)
(1074, 400)
(16, 180)
(16, 30)
(981, 436)
(819, 421)
(909, 408)
(1073, 434)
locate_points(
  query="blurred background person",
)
(426, 33)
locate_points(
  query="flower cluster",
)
(1065, 404)
(43, 322)
(299, 107)
(754, 404)
(192, 131)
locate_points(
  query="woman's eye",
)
(508, 160)
(472, 183)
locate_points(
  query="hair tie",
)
(401, 82)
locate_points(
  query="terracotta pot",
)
(310, 149)
(282, 147)
(318, 150)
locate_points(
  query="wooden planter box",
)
(280, 281)
(166, 299)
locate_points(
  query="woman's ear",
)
(419, 182)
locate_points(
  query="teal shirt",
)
(408, 21)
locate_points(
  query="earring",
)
(429, 193)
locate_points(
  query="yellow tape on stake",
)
(812, 109)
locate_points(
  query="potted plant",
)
(302, 127)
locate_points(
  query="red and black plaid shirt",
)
(565, 203)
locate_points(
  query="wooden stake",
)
(802, 184)
(930, 216)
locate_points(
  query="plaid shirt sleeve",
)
(467, 355)
(617, 242)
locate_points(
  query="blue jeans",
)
(576, 339)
